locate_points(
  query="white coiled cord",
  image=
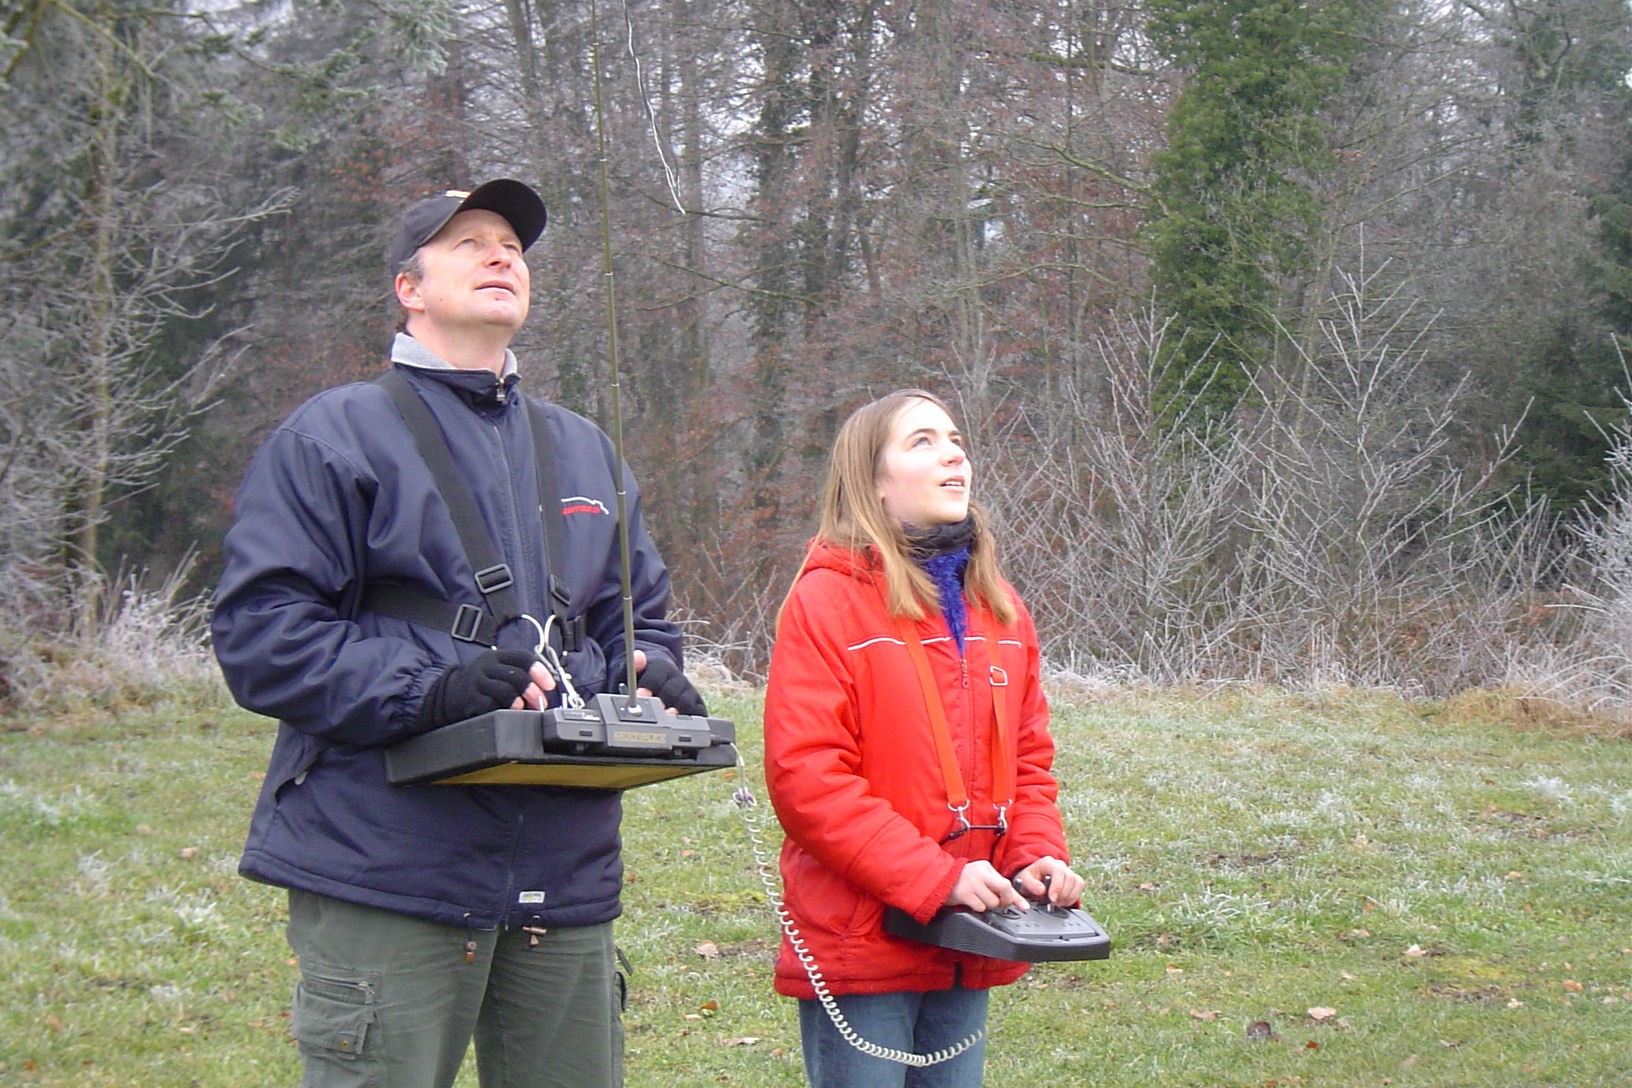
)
(744, 798)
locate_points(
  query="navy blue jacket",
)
(339, 498)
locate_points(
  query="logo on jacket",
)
(583, 504)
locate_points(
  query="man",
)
(424, 917)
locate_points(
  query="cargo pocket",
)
(332, 1017)
(621, 971)
(620, 1004)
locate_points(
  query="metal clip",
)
(552, 661)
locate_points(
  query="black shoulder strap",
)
(555, 522)
(493, 577)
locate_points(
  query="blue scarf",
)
(946, 571)
(943, 553)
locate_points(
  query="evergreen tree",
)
(1570, 102)
(1232, 207)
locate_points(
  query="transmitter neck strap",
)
(957, 797)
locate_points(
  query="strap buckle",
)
(494, 578)
(560, 594)
(467, 623)
(572, 629)
(573, 634)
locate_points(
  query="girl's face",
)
(923, 474)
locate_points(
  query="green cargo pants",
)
(389, 1001)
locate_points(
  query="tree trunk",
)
(87, 480)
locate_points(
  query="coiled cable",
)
(749, 807)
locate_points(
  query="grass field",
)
(1342, 890)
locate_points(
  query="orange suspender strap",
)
(1003, 744)
(957, 798)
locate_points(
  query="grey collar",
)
(410, 352)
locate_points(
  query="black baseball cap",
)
(521, 207)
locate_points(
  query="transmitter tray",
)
(1038, 935)
(613, 742)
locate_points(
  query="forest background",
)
(1287, 335)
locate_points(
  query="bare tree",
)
(1119, 535)
(1596, 667)
(1332, 534)
(1389, 560)
(106, 256)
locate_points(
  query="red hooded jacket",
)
(852, 770)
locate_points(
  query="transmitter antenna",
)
(628, 600)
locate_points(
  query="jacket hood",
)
(862, 563)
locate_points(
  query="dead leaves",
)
(708, 951)
(1261, 1031)
(1264, 1031)
(708, 1010)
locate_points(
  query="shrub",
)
(149, 644)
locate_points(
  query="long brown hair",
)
(853, 515)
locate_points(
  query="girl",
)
(906, 751)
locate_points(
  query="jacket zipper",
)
(524, 588)
(970, 732)
(510, 873)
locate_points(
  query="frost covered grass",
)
(1333, 890)
(148, 646)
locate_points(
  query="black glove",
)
(490, 681)
(664, 679)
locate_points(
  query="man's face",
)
(473, 277)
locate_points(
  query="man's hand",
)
(662, 678)
(493, 680)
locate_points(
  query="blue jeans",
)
(920, 1023)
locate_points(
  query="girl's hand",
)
(1064, 887)
(981, 887)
